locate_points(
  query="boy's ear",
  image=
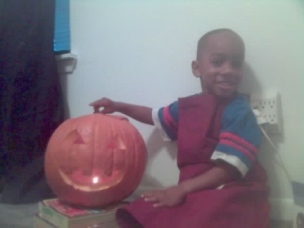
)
(195, 69)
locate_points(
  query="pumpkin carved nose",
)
(116, 143)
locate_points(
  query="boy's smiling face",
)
(219, 64)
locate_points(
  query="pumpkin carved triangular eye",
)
(116, 143)
(79, 141)
(74, 138)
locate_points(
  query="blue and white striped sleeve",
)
(240, 137)
(166, 121)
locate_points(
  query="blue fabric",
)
(240, 133)
(62, 40)
(239, 119)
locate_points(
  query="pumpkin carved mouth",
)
(95, 182)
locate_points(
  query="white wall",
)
(140, 52)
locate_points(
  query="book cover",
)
(70, 211)
(63, 215)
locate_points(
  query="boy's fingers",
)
(147, 194)
(94, 103)
(97, 102)
(156, 205)
(105, 111)
(151, 199)
(96, 110)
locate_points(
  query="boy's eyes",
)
(219, 62)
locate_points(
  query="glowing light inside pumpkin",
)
(95, 180)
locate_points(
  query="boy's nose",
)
(229, 69)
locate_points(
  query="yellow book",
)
(65, 216)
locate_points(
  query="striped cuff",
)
(232, 160)
(158, 125)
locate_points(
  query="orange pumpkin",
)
(95, 160)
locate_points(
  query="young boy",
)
(221, 183)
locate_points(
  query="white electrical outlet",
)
(270, 111)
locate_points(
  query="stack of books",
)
(54, 213)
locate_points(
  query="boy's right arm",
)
(140, 113)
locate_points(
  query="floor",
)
(17, 216)
(12, 216)
(281, 224)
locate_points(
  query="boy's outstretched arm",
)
(140, 113)
(213, 178)
(173, 196)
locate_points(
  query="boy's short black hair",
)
(202, 41)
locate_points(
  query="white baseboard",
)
(281, 209)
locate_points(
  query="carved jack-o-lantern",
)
(95, 160)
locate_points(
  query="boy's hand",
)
(169, 197)
(105, 103)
